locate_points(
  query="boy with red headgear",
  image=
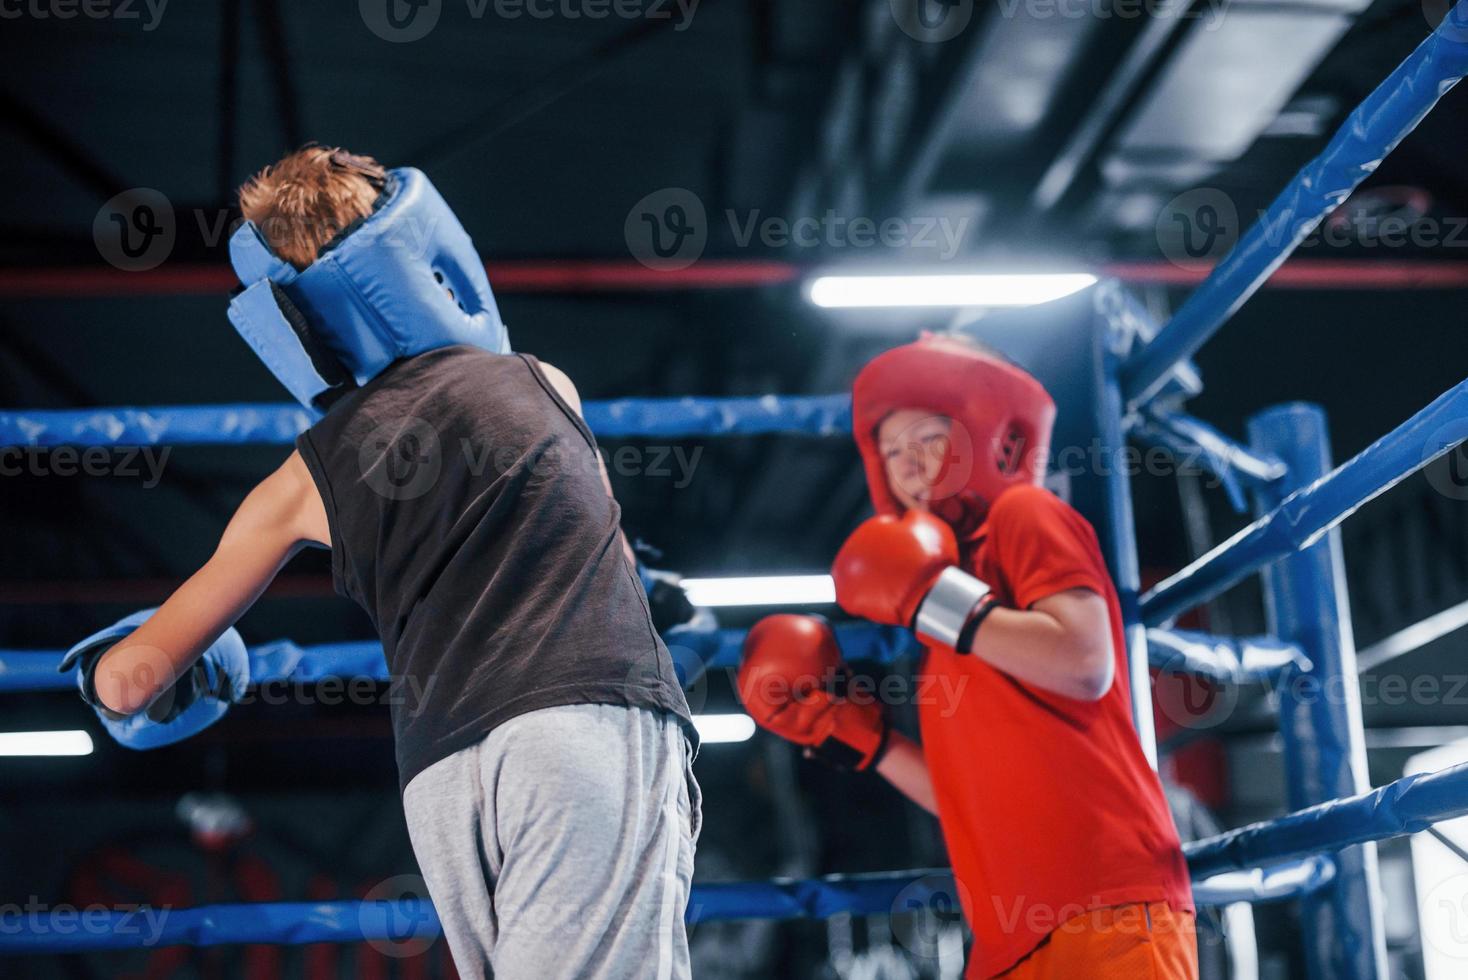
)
(1067, 861)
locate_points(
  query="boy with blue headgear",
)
(545, 766)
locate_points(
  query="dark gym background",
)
(1055, 135)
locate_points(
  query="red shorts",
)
(1125, 942)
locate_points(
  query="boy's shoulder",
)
(1027, 500)
(1025, 508)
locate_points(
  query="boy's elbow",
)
(124, 688)
(115, 694)
(1081, 644)
(1096, 674)
(1094, 687)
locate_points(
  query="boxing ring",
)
(1121, 377)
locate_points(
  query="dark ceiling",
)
(1053, 129)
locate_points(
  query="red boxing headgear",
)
(1001, 423)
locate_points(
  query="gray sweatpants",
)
(561, 845)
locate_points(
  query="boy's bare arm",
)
(283, 514)
(1062, 643)
(904, 766)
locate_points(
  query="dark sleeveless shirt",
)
(468, 518)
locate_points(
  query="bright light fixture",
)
(951, 290)
(767, 590)
(724, 728)
(45, 743)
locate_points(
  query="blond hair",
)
(305, 200)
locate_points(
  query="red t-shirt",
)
(1048, 806)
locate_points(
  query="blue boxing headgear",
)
(404, 280)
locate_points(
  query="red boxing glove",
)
(904, 571)
(889, 564)
(791, 663)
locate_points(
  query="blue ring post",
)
(1121, 531)
(1320, 708)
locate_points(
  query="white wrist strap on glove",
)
(954, 598)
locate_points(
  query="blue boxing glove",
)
(197, 700)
